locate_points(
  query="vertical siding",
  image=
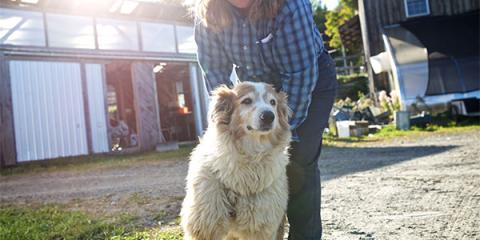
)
(96, 106)
(48, 110)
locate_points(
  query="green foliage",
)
(360, 104)
(319, 17)
(389, 103)
(351, 78)
(351, 85)
(334, 19)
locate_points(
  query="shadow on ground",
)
(339, 161)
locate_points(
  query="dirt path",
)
(417, 188)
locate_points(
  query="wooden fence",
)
(349, 64)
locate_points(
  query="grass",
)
(94, 161)
(53, 222)
(390, 132)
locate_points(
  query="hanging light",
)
(159, 67)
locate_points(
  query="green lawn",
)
(390, 132)
(95, 161)
(53, 222)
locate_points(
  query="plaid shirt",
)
(282, 51)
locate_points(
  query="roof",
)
(166, 10)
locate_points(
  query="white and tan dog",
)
(237, 183)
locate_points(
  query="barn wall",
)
(380, 13)
(7, 137)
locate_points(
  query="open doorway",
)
(121, 110)
(175, 101)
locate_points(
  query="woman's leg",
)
(303, 173)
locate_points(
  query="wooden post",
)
(344, 58)
(143, 80)
(7, 135)
(366, 45)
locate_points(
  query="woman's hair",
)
(215, 14)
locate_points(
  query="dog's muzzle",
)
(266, 120)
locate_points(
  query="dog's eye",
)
(273, 102)
(247, 101)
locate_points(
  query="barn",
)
(83, 77)
(427, 50)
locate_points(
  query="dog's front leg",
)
(205, 211)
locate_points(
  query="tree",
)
(319, 17)
(334, 19)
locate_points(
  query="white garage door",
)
(96, 107)
(48, 110)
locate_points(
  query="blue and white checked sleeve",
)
(297, 55)
(215, 64)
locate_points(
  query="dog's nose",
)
(267, 117)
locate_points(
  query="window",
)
(70, 31)
(186, 40)
(415, 8)
(21, 28)
(158, 37)
(117, 35)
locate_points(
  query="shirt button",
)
(245, 47)
(244, 25)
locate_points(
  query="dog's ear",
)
(222, 106)
(284, 111)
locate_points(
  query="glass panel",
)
(417, 7)
(114, 34)
(21, 28)
(70, 31)
(186, 40)
(158, 37)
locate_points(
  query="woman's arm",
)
(297, 51)
(216, 65)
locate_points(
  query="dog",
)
(237, 184)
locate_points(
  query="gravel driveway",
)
(425, 187)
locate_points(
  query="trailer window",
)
(415, 8)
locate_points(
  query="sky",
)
(331, 4)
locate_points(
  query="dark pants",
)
(303, 173)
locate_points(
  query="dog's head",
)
(250, 109)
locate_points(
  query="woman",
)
(277, 42)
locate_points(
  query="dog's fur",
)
(237, 183)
